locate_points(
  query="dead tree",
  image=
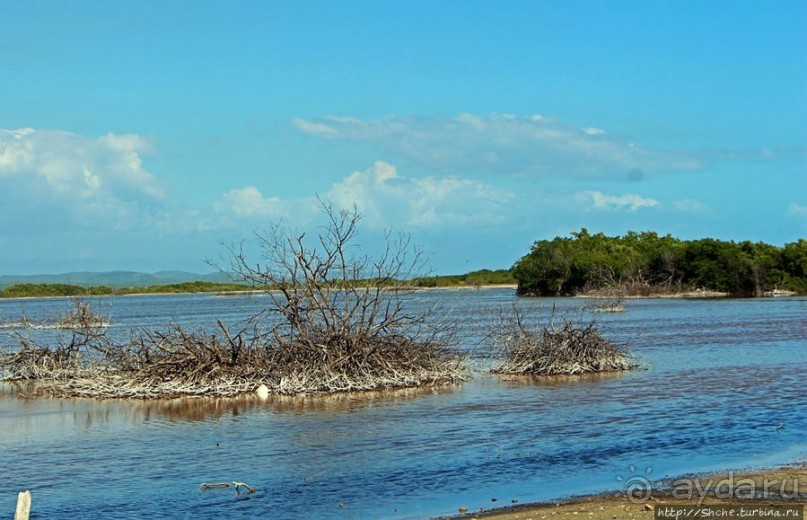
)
(335, 321)
(345, 319)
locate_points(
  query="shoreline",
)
(775, 486)
(694, 295)
(247, 292)
(684, 295)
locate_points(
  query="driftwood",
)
(219, 485)
(609, 304)
(23, 506)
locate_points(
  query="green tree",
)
(646, 262)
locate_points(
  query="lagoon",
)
(724, 388)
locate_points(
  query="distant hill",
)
(115, 278)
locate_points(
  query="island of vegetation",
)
(562, 347)
(334, 321)
(646, 264)
(635, 264)
(337, 321)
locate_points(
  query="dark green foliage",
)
(794, 260)
(474, 279)
(645, 263)
(31, 290)
(27, 290)
(189, 287)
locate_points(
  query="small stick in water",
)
(239, 485)
(212, 485)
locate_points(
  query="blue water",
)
(723, 374)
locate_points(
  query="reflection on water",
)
(560, 380)
(196, 409)
(725, 388)
(26, 416)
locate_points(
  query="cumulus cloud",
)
(53, 181)
(385, 198)
(629, 201)
(503, 143)
(690, 206)
(797, 210)
(249, 202)
(65, 164)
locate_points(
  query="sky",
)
(143, 135)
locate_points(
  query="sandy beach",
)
(782, 486)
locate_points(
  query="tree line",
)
(36, 290)
(471, 279)
(638, 263)
(646, 263)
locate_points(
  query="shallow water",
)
(724, 374)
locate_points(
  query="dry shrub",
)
(335, 322)
(360, 363)
(342, 321)
(609, 304)
(561, 347)
(83, 339)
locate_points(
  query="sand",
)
(787, 485)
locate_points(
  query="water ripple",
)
(724, 389)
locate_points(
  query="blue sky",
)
(140, 135)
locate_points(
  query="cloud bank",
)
(504, 144)
(53, 181)
(797, 209)
(57, 180)
(385, 198)
(630, 201)
(64, 163)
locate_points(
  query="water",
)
(723, 375)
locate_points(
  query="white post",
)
(23, 505)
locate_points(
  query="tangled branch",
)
(335, 322)
(563, 347)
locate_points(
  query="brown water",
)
(725, 388)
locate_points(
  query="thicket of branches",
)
(335, 322)
(559, 347)
(85, 334)
(341, 320)
(85, 362)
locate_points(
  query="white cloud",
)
(65, 164)
(797, 210)
(249, 202)
(503, 143)
(690, 206)
(385, 198)
(308, 127)
(594, 131)
(59, 183)
(629, 201)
